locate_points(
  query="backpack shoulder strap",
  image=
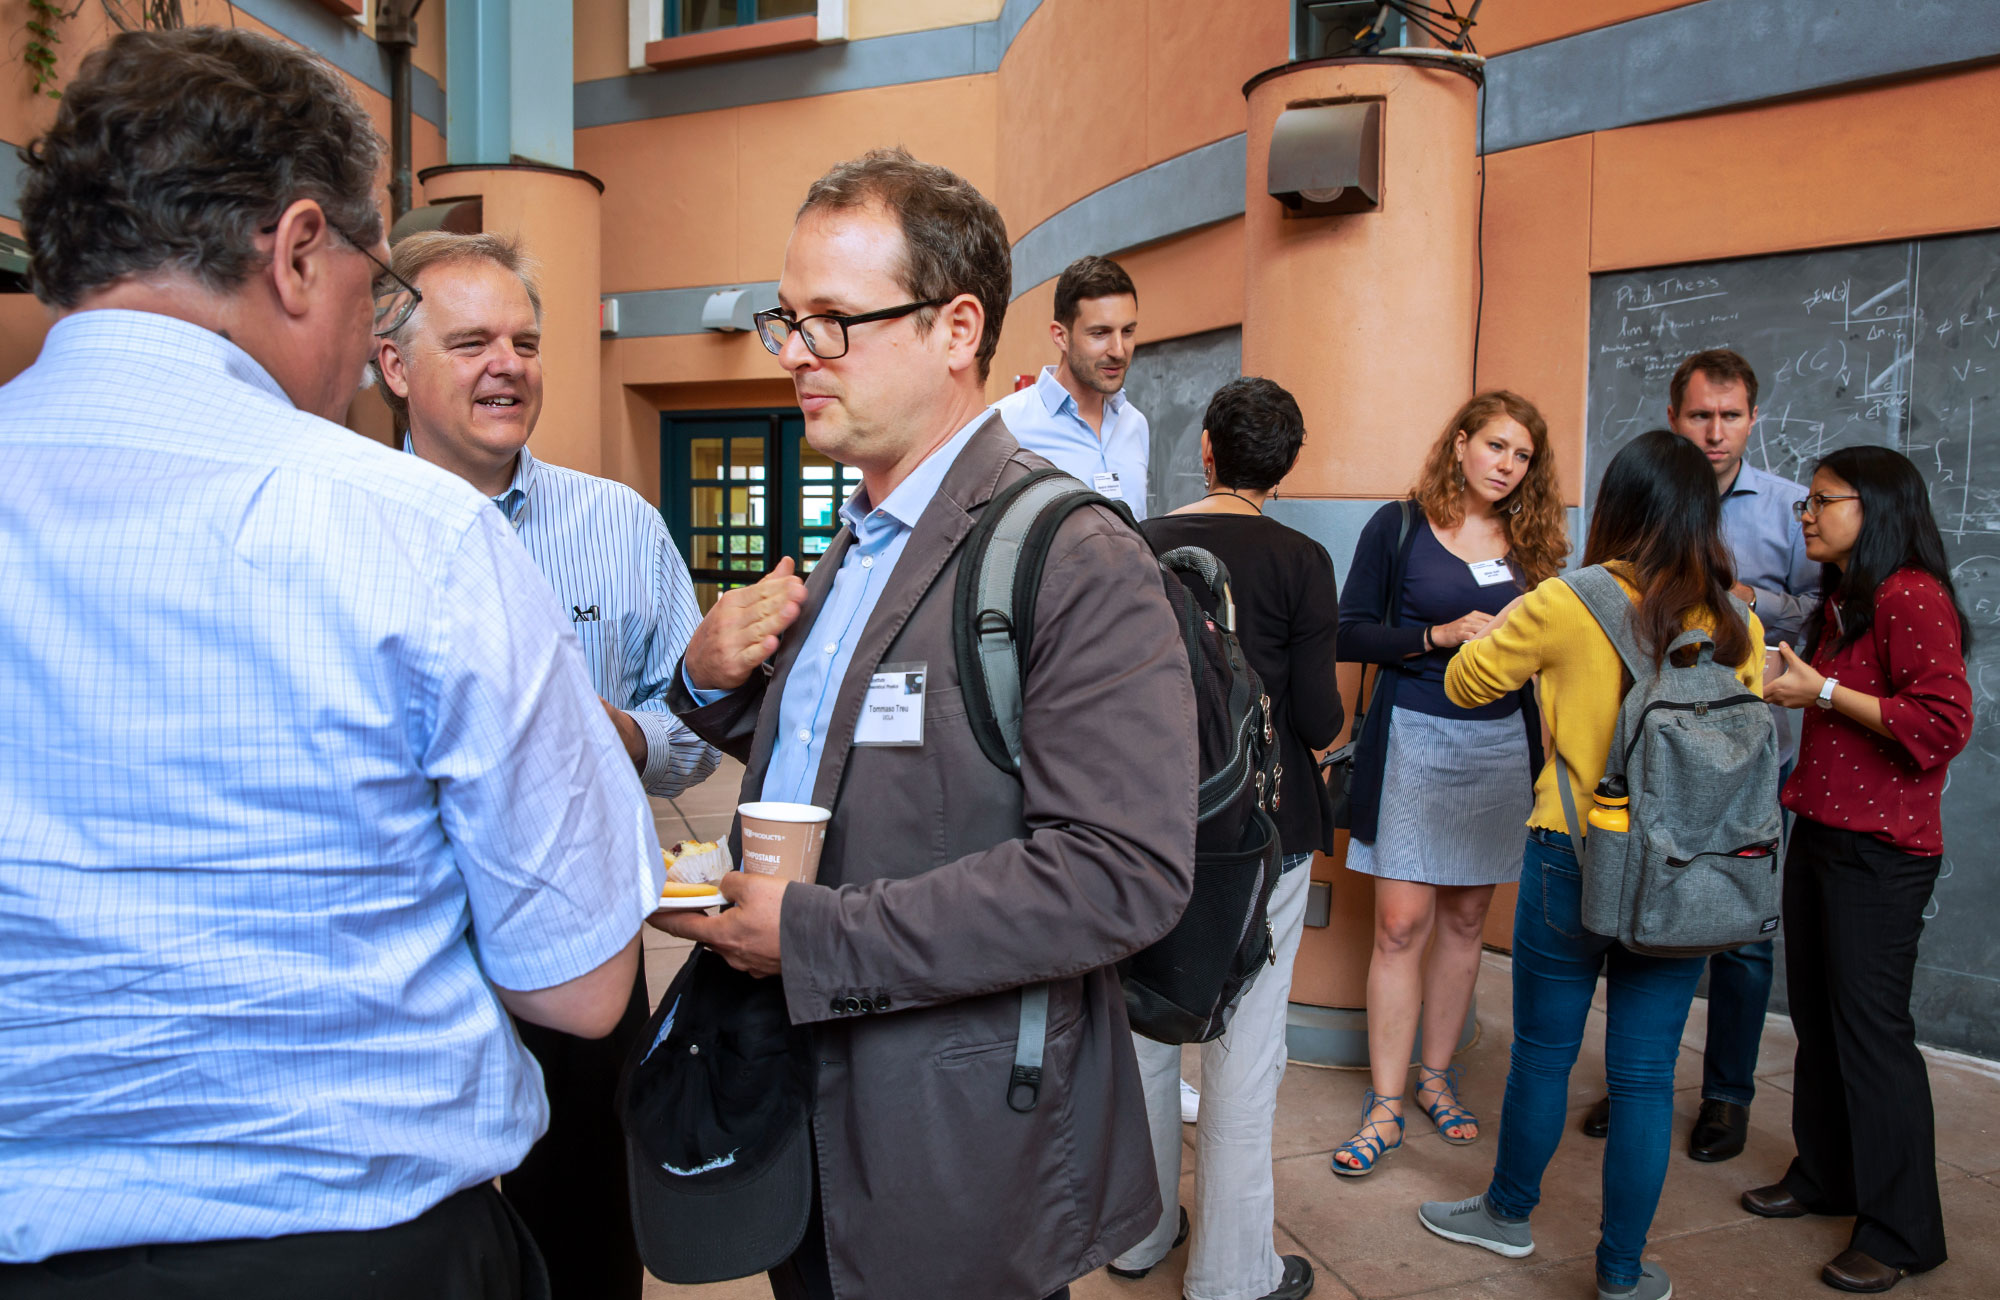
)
(994, 603)
(1612, 608)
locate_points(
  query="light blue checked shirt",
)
(805, 708)
(1044, 419)
(299, 754)
(631, 604)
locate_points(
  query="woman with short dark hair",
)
(1282, 585)
(1888, 707)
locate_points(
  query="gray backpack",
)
(1697, 871)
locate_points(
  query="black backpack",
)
(1184, 987)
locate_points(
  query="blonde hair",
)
(415, 254)
(1532, 515)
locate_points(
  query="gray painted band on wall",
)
(1185, 192)
(898, 60)
(654, 312)
(1722, 54)
(348, 48)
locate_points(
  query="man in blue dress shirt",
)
(465, 374)
(951, 894)
(1712, 402)
(1076, 414)
(290, 818)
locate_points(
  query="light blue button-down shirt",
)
(615, 570)
(1769, 548)
(805, 708)
(300, 760)
(1043, 418)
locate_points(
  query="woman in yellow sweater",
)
(1655, 525)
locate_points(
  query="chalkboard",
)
(1171, 382)
(1892, 344)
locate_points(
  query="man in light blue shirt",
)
(465, 374)
(303, 785)
(1076, 414)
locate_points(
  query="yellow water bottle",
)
(1612, 812)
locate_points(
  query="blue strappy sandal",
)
(1365, 1146)
(1445, 1112)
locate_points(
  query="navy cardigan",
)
(1374, 580)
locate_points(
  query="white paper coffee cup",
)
(783, 839)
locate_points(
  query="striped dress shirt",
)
(629, 599)
(300, 761)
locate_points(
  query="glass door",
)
(741, 488)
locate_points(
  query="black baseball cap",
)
(717, 1104)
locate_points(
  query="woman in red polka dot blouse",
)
(1887, 707)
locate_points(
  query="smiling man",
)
(953, 897)
(465, 374)
(1077, 414)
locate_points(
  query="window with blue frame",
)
(688, 16)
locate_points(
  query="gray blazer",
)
(953, 885)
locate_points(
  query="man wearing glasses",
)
(289, 818)
(952, 896)
(1712, 402)
(463, 372)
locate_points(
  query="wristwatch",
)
(1825, 700)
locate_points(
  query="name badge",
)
(1491, 573)
(1107, 486)
(892, 713)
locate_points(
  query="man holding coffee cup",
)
(950, 895)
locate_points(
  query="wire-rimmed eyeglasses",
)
(824, 334)
(396, 299)
(1817, 502)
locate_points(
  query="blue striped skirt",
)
(1456, 794)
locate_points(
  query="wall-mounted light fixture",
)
(728, 311)
(1326, 159)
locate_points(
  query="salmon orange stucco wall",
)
(1537, 256)
(708, 198)
(1093, 92)
(1367, 317)
(1510, 24)
(1891, 162)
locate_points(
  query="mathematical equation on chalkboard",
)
(1891, 344)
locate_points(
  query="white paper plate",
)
(695, 903)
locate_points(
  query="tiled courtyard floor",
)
(1363, 1237)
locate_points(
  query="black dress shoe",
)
(1774, 1202)
(1719, 1132)
(1597, 1120)
(1297, 1283)
(1179, 1237)
(1851, 1270)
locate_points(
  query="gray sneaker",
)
(1469, 1221)
(1653, 1284)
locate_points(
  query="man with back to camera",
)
(464, 373)
(301, 815)
(1712, 402)
(948, 889)
(1076, 414)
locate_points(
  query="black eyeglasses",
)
(1815, 503)
(396, 299)
(825, 335)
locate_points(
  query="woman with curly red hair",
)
(1439, 792)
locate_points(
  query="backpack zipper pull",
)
(1271, 941)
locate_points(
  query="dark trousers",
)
(1861, 1099)
(466, 1247)
(1739, 993)
(805, 1277)
(571, 1189)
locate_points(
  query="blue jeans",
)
(1556, 963)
